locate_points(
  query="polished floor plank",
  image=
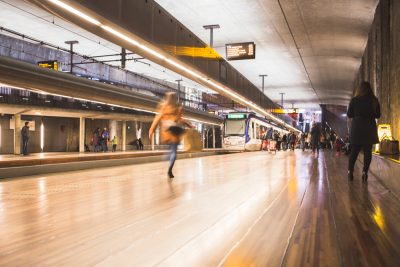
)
(247, 209)
(364, 216)
(313, 241)
(265, 244)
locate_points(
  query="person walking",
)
(25, 138)
(171, 126)
(363, 109)
(315, 137)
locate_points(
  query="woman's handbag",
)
(175, 128)
(389, 146)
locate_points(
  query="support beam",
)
(213, 136)
(17, 134)
(123, 135)
(81, 134)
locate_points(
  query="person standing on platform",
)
(25, 138)
(171, 126)
(95, 139)
(114, 143)
(363, 109)
(139, 143)
(105, 137)
(315, 138)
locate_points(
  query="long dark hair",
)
(365, 90)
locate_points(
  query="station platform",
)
(243, 209)
(43, 163)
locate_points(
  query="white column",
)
(17, 134)
(81, 134)
(213, 136)
(123, 135)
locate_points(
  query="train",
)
(243, 131)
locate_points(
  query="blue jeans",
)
(25, 145)
(172, 156)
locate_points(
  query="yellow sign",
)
(48, 64)
(384, 131)
(285, 111)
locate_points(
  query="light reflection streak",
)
(378, 218)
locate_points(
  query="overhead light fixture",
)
(76, 12)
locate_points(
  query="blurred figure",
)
(309, 140)
(284, 142)
(114, 143)
(315, 138)
(303, 141)
(139, 143)
(332, 139)
(96, 139)
(339, 145)
(171, 126)
(105, 137)
(292, 140)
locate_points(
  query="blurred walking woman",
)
(363, 110)
(171, 126)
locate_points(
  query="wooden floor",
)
(248, 209)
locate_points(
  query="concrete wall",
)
(7, 135)
(381, 62)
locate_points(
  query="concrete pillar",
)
(123, 135)
(17, 134)
(81, 134)
(213, 129)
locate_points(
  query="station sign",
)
(238, 51)
(48, 64)
(236, 116)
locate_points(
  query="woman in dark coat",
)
(363, 110)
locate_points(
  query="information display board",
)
(239, 51)
(48, 64)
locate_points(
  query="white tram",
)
(243, 131)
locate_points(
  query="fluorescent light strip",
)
(76, 12)
(120, 35)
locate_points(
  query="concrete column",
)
(123, 135)
(17, 134)
(213, 136)
(81, 134)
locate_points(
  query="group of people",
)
(316, 139)
(283, 141)
(101, 139)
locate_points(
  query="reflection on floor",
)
(247, 209)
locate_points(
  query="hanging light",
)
(42, 136)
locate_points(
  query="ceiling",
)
(310, 49)
(32, 21)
